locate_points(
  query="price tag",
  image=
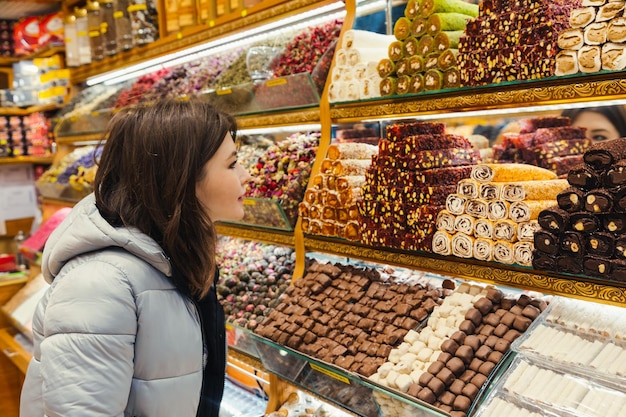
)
(330, 374)
(224, 91)
(275, 82)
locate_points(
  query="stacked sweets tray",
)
(571, 362)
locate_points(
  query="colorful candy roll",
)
(573, 243)
(483, 249)
(462, 245)
(547, 242)
(572, 39)
(584, 222)
(503, 252)
(489, 191)
(431, 61)
(410, 46)
(451, 79)
(522, 211)
(402, 28)
(597, 267)
(571, 199)
(426, 45)
(540, 189)
(447, 40)
(620, 247)
(417, 83)
(566, 62)
(483, 228)
(601, 244)
(616, 175)
(433, 80)
(509, 172)
(477, 208)
(415, 64)
(446, 221)
(603, 154)
(447, 59)
(505, 229)
(554, 219)
(418, 27)
(512, 192)
(402, 84)
(464, 223)
(343, 167)
(609, 11)
(468, 188)
(388, 86)
(613, 56)
(613, 223)
(498, 210)
(581, 17)
(442, 243)
(598, 201)
(386, 67)
(526, 230)
(618, 270)
(411, 10)
(616, 31)
(584, 176)
(569, 264)
(619, 200)
(595, 33)
(395, 51)
(543, 261)
(523, 253)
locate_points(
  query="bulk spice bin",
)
(340, 380)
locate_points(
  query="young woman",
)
(602, 123)
(131, 325)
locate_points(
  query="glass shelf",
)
(93, 122)
(266, 213)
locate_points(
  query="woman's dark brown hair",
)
(152, 159)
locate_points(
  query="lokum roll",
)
(546, 242)
(522, 211)
(418, 27)
(462, 245)
(477, 208)
(410, 46)
(573, 243)
(416, 64)
(351, 150)
(616, 32)
(426, 45)
(411, 10)
(442, 243)
(417, 83)
(595, 33)
(569, 264)
(620, 247)
(446, 221)
(543, 261)
(464, 223)
(601, 244)
(498, 210)
(447, 59)
(446, 21)
(433, 80)
(538, 190)
(589, 58)
(554, 219)
(571, 199)
(447, 40)
(613, 56)
(354, 38)
(509, 172)
(584, 176)
(402, 67)
(609, 10)
(451, 79)
(603, 154)
(468, 188)
(512, 192)
(572, 38)
(523, 253)
(483, 228)
(505, 229)
(584, 222)
(619, 200)
(581, 17)
(503, 252)
(618, 270)
(598, 201)
(526, 230)
(388, 86)
(349, 182)
(489, 191)
(483, 249)
(402, 84)
(386, 67)
(431, 61)
(616, 175)
(597, 267)
(566, 62)
(614, 223)
(350, 166)
(402, 28)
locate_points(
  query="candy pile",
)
(493, 216)
(351, 317)
(548, 142)
(424, 54)
(252, 276)
(595, 39)
(330, 203)
(586, 231)
(282, 173)
(140, 86)
(417, 166)
(509, 42)
(25, 135)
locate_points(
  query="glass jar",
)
(96, 40)
(123, 31)
(72, 58)
(107, 27)
(143, 21)
(82, 36)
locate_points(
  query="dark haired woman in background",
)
(602, 123)
(131, 325)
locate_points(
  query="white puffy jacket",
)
(113, 337)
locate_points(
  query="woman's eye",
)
(599, 138)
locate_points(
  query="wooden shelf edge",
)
(277, 119)
(19, 111)
(275, 237)
(499, 274)
(44, 160)
(44, 52)
(78, 139)
(13, 350)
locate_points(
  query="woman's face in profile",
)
(599, 127)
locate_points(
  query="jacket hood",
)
(85, 230)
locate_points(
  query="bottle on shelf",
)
(96, 40)
(82, 36)
(20, 260)
(107, 27)
(144, 22)
(123, 30)
(72, 58)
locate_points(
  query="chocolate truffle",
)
(474, 315)
(447, 398)
(457, 387)
(473, 341)
(470, 391)
(484, 305)
(425, 378)
(478, 380)
(427, 395)
(502, 345)
(475, 364)
(492, 319)
(500, 330)
(435, 367)
(458, 337)
(446, 376)
(449, 346)
(495, 295)
(495, 356)
(521, 323)
(483, 352)
(462, 403)
(456, 365)
(531, 312)
(465, 353)
(467, 375)
(437, 386)
(467, 327)
(486, 368)
(444, 357)
(491, 341)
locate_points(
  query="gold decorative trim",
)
(487, 272)
(275, 237)
(279, 119)
(564, 90)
